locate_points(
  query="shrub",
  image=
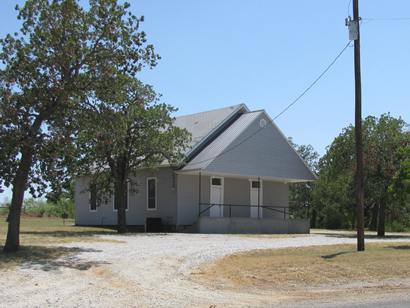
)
(63, 208)
(333, 218)
(396, 226)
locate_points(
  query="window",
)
(216, 181)
(126, 192)
(255, 184)
(151, 193)
(93, 198)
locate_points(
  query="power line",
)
(314, 82)
(348, 7)
(282, 112)
(387, 19)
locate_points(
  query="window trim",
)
(217, 178)
(156, 194)
(128, 199)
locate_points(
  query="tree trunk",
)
(120, 203)
(374, 218)
(382, 218)
(19, 187)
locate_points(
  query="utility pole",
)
(354, 33)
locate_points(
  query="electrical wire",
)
(314, 82)
(387, 19)
(348, 7)
(280, 113)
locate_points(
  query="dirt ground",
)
(159, 270)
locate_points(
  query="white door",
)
(256, 198)
(217, 197)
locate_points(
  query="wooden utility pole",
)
(358, 132)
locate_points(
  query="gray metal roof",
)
(246, 148)
(202, 125)
(221, 144)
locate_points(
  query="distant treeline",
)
(331, 198)
(62, 208)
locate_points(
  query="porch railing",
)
(286, 212)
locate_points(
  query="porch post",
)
(199, 192)
(259, 194)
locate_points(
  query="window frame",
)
(156, 193)
(217, 178)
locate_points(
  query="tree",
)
(60, 56)
(300, 194)
(333, 195)
(400, 190)
(124, 130)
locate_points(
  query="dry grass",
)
(48, 231)
(288, 269)
(40, 239)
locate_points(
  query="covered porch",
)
(229, 203)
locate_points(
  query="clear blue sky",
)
(263, 53)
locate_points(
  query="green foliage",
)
(386, 177)
(396, 226)
(124, 129)
(63, 208)
(400, 187)
(128, 131)
(300, 194)
(62, 54)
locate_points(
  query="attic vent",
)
(262, 123)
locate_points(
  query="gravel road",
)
(148, 270)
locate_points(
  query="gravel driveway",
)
(148, 270)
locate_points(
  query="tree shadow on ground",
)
(334, 255)
(47, 258)
(367, 236)
(86, 233)
(73, 233)
(400, 247)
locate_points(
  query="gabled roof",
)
(204, 125)
(220, 144)
(251, 145)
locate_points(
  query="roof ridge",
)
(237, 106)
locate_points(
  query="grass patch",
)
(352, 234)
(310, 266)
(39, 239)
(51, 231)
